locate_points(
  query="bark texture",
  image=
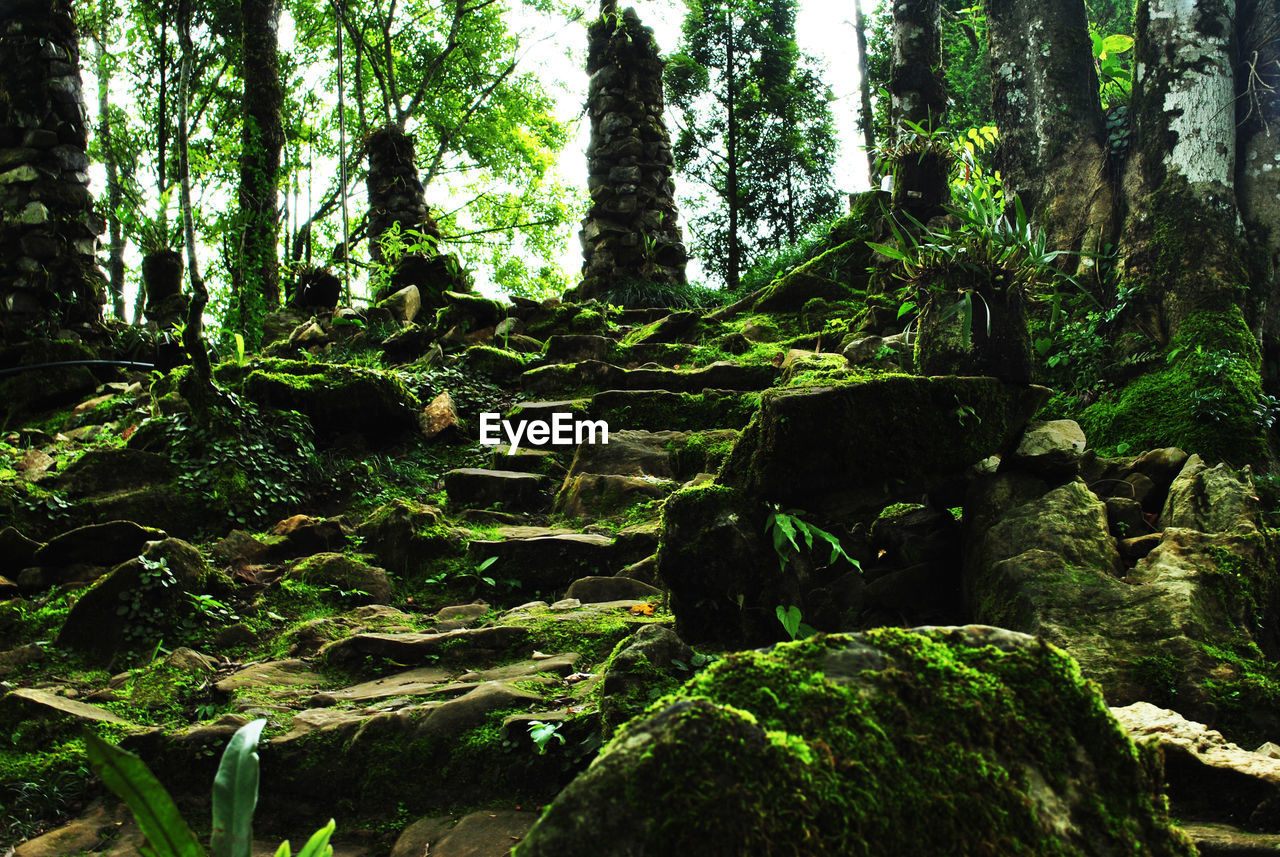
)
(919, 92)
(1181, 246)
(1052, 151)
(257, 285)
(49, 278)
(631, 231)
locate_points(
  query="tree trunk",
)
(115, 261)
(1052, 151)
(919, 93)
(732, 269)
(1181, 244)
(1258, 167)
(865, 117)
(1182, 254)
(201, 393)
(257, 280)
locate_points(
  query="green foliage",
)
(396, 244)
(790, 619)
(1115, 77)
(235, 795)
(639, 293)
(786, 526)
(778, 142)
(542, 734)
(249, 465)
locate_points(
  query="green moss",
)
(497, 363)
(655, 410)
(1203, 400)
(593, 634)
(763, 750)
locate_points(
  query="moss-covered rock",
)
(343, 579)
(841, 745)
(839, 274)
(337, 398)
(498, 363)
(861, 445)
(39, 389)
(660, 410)
(406, 535)
(1202, 398)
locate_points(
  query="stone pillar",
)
(49, 278)
(631, 230)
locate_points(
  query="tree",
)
(756, 133)
(255, 280)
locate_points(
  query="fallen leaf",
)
(641, 610)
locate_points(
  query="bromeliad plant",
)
(235, 796)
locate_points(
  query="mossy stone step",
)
(469, 645)
(723, 375)
(547, 564)
(475, 487)
(659, 410)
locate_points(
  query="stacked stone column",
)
(631, 230)
(49, 278)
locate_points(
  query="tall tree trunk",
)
(733, 268)
(162, 158)
(115, 260)
(1258, 167)
(1181, 244)
(1052, 151)
(201, 394)
(1182, 252)
(919, 93)
(865, 116)
(257, 280)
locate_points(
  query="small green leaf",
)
(235, 793)
(318, 845)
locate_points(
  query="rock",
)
(1223, 840)
(302, 535)
(187, 660)
(240, 547)
(97, 544)
(652, 663)
(549, 563)
(438, 417)
(422, 681)
(405, 533)
(470, 643)
(1050, 568)
(33, 703)
(571, 348)
(308, 334)
(153, 595)
(629, 453)
(481, 834)
(913, 535)
(33, 464)
(1139, 546)
(1125, 517)
(968, 419)
(811, 744)
(471, 487)
(82, 835)
(103, 470)
(354, 579)
(681, 326)
(1212, 500)
(16, 551)
(827, 366)
(1209, 778)
(498, 363)
(594, 495)
(1051, 449)
(8, 589)
(337, 398)
(403, 305)
(592, 590)
(284, 680)
(878, 350)
(417, 839)
(462, 612)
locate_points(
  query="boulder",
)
(473, 487)
(337, 398)
(141, 600)
(1051, 449)
(843, 744)
(595, 590)
(641, 670)
(403, 305)
(838, 449)
(1183, 627)
(403, 534)
(594, 495)
(97, 544)
(302, 535)
(16, 551)
(1212, 499)
(343, 579)
(439, 418)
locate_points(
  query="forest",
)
(409, 448)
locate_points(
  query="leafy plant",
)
(1115, 77)
(786, 526)
(235, 797)
(542, 734)
(790, 619)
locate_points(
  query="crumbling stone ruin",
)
(631, 230)
(48, 233)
